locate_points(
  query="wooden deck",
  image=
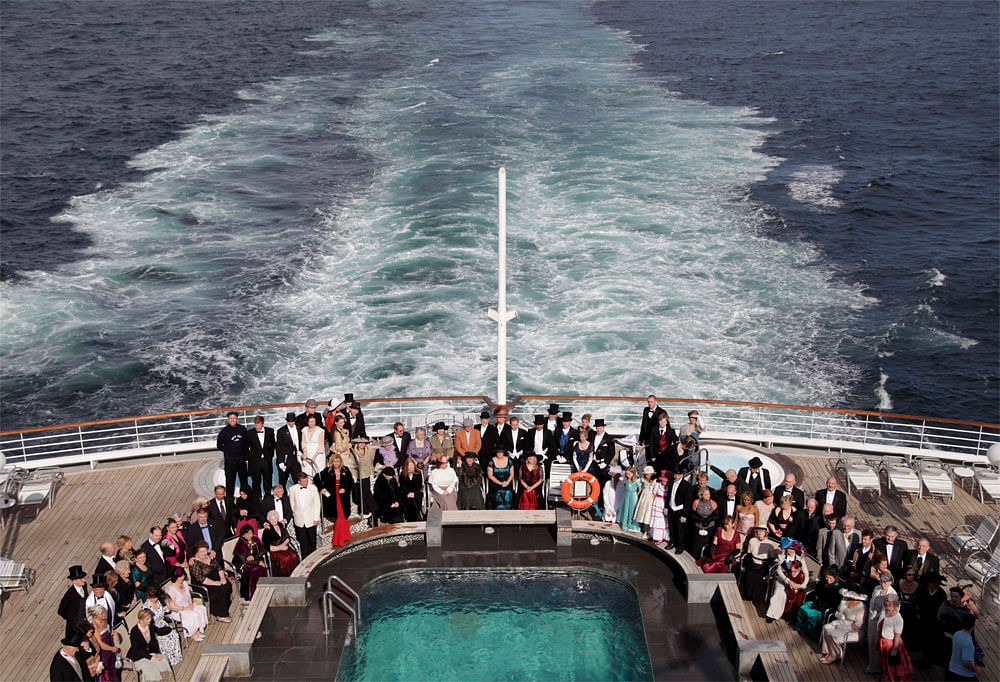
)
(93, 507)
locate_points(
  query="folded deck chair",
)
(988, 481)
(861, 475)
(902, 479)
(966, 538)
(558, 474)
(983, 567)
(15, 576)
(936, 479)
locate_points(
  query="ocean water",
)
(209, 204)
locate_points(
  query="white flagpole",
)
(501, 315)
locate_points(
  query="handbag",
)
(894, 658)
(94, 666)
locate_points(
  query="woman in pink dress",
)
(724, 547)
(175, 550)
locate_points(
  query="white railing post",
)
(864, 438)
(24, 451)
(979, 443)
(191, 426)
(79, 433)
(138, 441)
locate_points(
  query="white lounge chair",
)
(983, 567)
(558, 474)
(15, 576)
(965, 538)
(902, 479)
(988, 481)
(937, 480)
(861, 474)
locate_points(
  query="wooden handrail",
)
(492, 405)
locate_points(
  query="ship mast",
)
(501, 315)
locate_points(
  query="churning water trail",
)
(233, 272)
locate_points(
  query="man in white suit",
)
(306, 510)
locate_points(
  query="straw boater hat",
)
(359, 439)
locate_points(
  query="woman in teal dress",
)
(140, 576)
(501, 476)
(826, 596)
(630, 499)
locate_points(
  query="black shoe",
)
(669, 545)
(769, 620)
(679, 550)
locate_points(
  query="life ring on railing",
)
(580, 502)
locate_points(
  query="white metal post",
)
(501, 315)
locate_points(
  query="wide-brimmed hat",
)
(755, 463)
(852, 596)
(76, 573)
(439, 426)
(386, 440)
(311, 402)
(567, 416)
(664, 477)
(359, 439)
(553, 408)
(539, 420)
(648, 470)
(469, 453)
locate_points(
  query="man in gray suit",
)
(836, 545)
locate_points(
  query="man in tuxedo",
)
(831, 495)
(400, 441)
(232, 442)
(489, 438)
(356, 421)
(894, 549)
(205, 530)
(154, 555)
(540, 441)
(650, 419)
(729, 476)
(552, 422)
(73, 606)
(756, 478)
(278, 501)
(222, 512)
(604, 451)
(286, 449)
(921, 559)
(66, 665)
(99, 596)
(860, 561)
(679, 496)
(515, 440)
(812, 522)
(727, 501)
(661, 451)
(565, 437)
(107, 560)
(788, 489)
(260, 445)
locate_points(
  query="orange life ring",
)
(580, 502)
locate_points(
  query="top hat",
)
(76, 573)
(289, 416)
(553, 409)
(755, 463)
(439, 426)
(348, 398)
(567, 416)
(598, 422)
(539, 419)
(99, 580)
(355, 405)
(72, 639)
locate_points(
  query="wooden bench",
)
(210, 669)
(246, 633)
(491, 517)
(778, 667)
(736, 609)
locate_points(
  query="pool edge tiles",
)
(544, 623)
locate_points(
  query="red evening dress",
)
(342, 526)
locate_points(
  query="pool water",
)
(731, 456)
(498, 624)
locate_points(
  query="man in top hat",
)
(650, 419)
(73, 607)
(356, 420)
(232, 442)
(489, 437)
(99, 596)
(756, 478)
(564, 439)
(260, 449)
(678, 498)
(604, 449)
(552, 421)
(540, 441)
(467, 439)
(66, 665)
(286, 449)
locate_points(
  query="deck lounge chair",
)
(937, 480)
(860, 474)
(558, 474)
(15, 576)
(902, 479)
(965, 538)
(983, 567)
(988, 481)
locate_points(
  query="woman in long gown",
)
(746, 515)
(170, 644)
(825, 596)
(895, 659)
(629, 501)
(312, 445)
(705, 512)
(335, 484)
(106, 642)
(444, 486)
(470, 483)
(193, 617)
(658, 531)
(207, 573)
(278, 544)
(387, 496)
(644, 508)
(847, 623)
(501, 476)
(140, 575)
(249, 561)
(531, 483)
(753, 583)
(724, 548)
(411, 490)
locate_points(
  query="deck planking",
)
(96, 506)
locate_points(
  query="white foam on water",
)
(935, 278)
(884, 401)
(813, 185)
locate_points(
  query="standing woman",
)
(501, 476)
(140, 575)
(644, 509)
(470, 482)
(411, 489)
(335, 484)
(765, 507)
(782, 523)
(340, 437)
(105, 642)
(658, 531)
(747, 516)
(531, 482)
(895, 659)
(444, 484)
(173, 545)
(206, 572)
(629, 501)
(706, 511)
(362, 466)
(420, 449)
(125, 550)
(313, 445)
(442, 445)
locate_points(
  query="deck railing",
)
(768, 424)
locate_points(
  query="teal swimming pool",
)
(498, 624)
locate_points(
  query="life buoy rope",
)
(580, 502)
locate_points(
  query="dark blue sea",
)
(216, 203)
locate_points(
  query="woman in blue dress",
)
(501, 476)
(630, 499)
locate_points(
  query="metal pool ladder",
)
(331, 599)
